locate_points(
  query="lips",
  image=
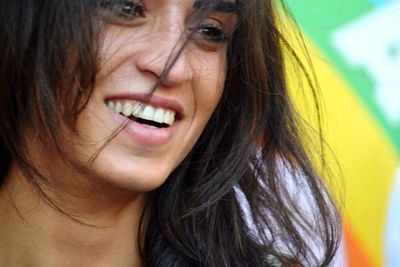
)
(151, 120)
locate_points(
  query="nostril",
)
(169, 65)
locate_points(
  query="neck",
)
(35, 234)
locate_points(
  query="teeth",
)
(148, 113)
(137, 109)
(127, 110)
(169, 117)
(118, 107)
(143, 111)
(159, 115)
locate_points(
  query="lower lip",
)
(143, 134)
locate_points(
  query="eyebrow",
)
(220, 6)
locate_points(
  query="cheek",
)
(210, 86)
(116, 48)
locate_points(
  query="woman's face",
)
(140, 38)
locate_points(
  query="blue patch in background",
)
(381, 2)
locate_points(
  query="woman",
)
(153, 133)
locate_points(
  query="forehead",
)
(225, 6)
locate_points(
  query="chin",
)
(135, 176)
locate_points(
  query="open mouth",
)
(142, 113)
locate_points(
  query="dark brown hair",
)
(233, 201)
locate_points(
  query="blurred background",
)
(355, 49)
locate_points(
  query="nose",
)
(162, 55)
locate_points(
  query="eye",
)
(212, 33)
(127, 10)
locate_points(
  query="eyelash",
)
(212, 33)
(125, 11)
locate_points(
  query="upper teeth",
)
(143, 111)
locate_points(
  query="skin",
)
(113, 190)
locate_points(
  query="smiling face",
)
(140, 39)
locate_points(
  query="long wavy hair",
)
(234, 200)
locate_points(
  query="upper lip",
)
(153, 100)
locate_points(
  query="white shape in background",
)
(373, 43)
(392, 235)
